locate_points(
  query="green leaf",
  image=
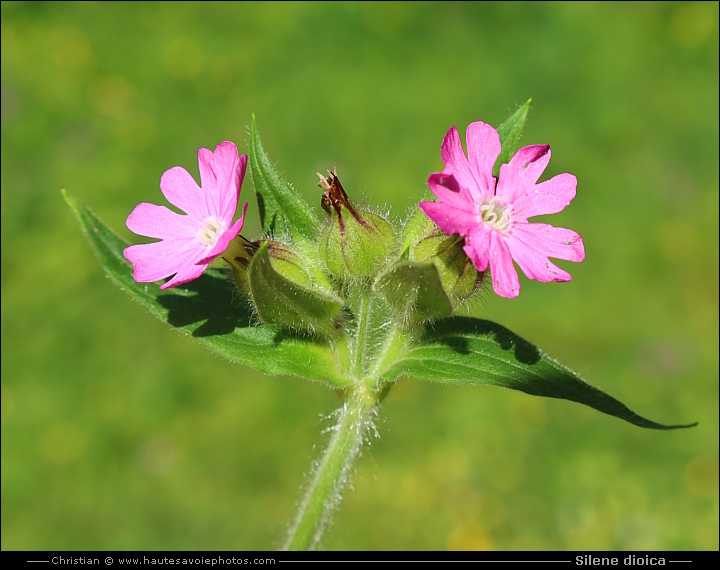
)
(280, 301)
(473, 351)
(205, 309)
(510, 132)
(281, 207)
(414, 291)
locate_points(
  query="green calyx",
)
(453, 275)
(460, 280)
(355, 244)
(239, 254)
(282, 290)
(414, 292)
(288, 264)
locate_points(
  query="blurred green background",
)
(118, 433)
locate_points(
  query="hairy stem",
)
(363, 318)
(329, 478)
(354, 420)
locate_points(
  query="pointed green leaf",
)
(473, 351)
(414, 291)
(281, 207)
(280, 301)
(204, 309)
(510, 132)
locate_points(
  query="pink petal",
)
(205, 163)
(185, 274)
(182, 191)
(447, 189)
(230, 197)
(477, 245)
(158, 260)
(221, 175)
(549, 197)
(160, 222)
(517, 178)
(452, 220)
(208, 181)
(504, 276)
(559, 243)
(456, 163)
(225, 165)
(483, 146)
(227, 236)
(534, 263)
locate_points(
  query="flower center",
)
(497, 213)
(208, 233)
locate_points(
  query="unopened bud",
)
(458, 275)
(355, 244)
(283, 259)
(284, 295)
(288, 264)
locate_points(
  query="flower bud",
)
(355, 244)
(288, 264)
(283, 260)
(284, 295)
(460, 280)
(280, 288)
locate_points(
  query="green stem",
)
(355, 419)
(393, 345)
(363, 318)
(330, 476)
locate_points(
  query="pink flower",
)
(494, 219)
(191, 242)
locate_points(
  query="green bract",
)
(280, 207)
(510, 132)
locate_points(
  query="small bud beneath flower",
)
(355, 244)
(414, 292)
(458, 275)
(424, 241)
